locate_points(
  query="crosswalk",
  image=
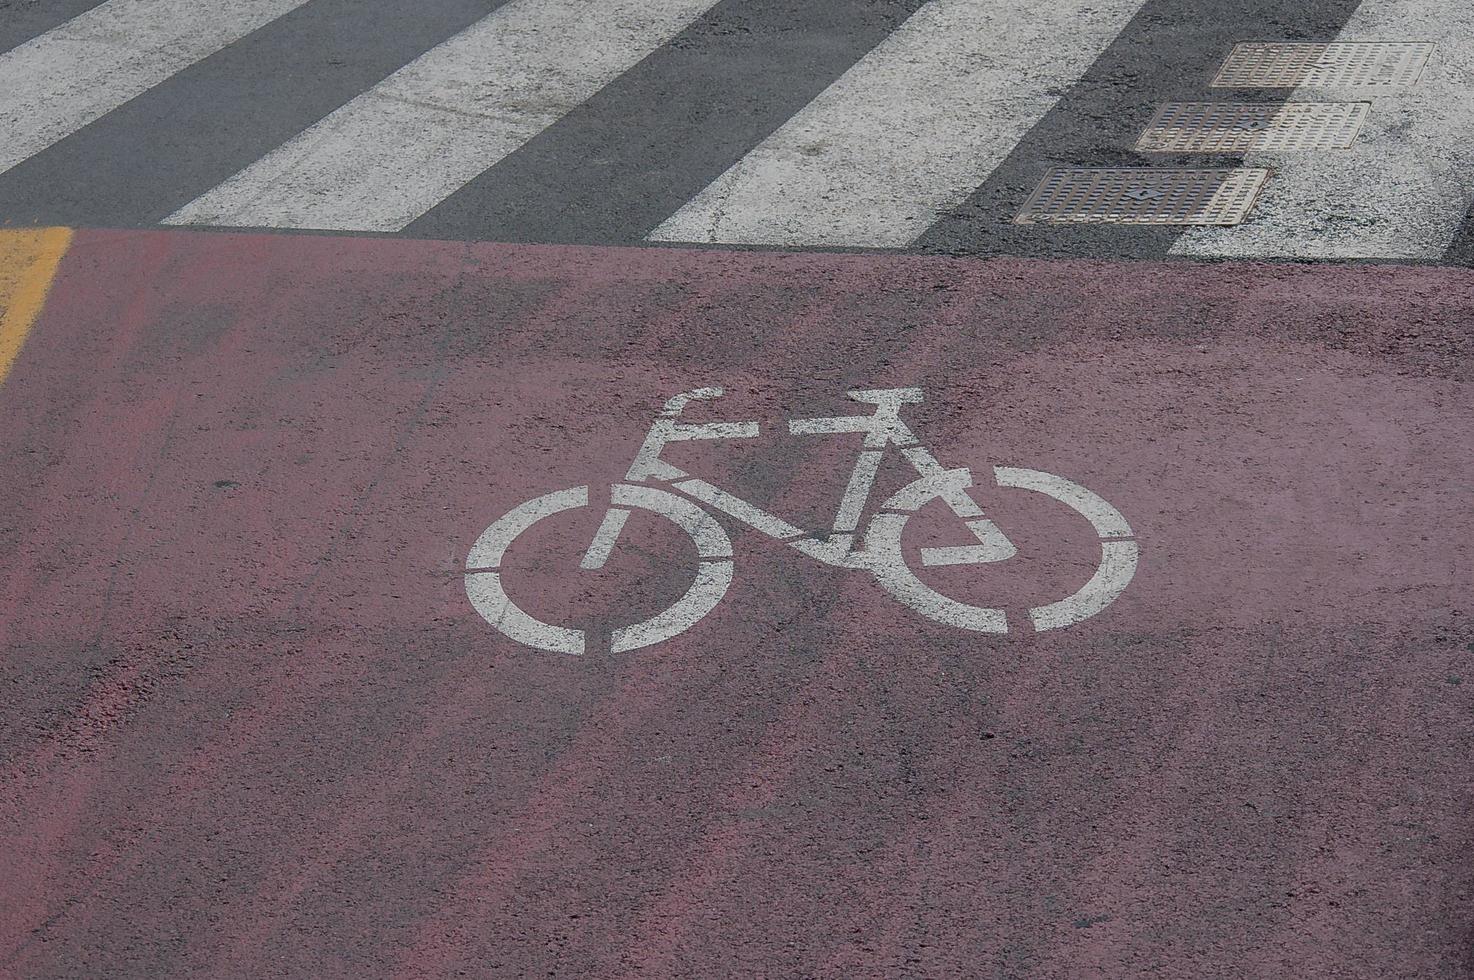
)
(54, 85)
(909, 131)
(1408, 183)
(918, 125)
(403, 146)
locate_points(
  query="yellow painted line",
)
(28, 261)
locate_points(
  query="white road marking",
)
(836, 550)
(489, 598)
(909, 131)
(712, 576)
(484, 584)
(1117, 558)
(883, 546)
(1106, 520)
(857, 491)
(882, 556)
(712, 580)
(485, 591)
(1402, 189)
(403, 146)
(993, 545)
(604, 538)
(703, 530)
(491, 547)
(1117, 568)
(75, 73)
(935, 484)
(734, 506)
(887, 562)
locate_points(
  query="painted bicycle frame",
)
(656, 485)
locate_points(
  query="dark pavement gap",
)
(21, 20)
(141, 162)
(1168, 52)
(633, 154)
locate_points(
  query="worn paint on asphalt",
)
(253, 725)
(28, 260)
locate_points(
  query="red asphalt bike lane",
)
(253, 726)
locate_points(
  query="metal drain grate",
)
(1234, 127)
(1383, 64)
(1144, 197)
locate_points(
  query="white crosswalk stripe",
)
(1402, 189)
(55, 84)
(909, 131)
(928, 140)
(405, 145)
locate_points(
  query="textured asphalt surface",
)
(1167, 53)
(253, 727)
(618, 164)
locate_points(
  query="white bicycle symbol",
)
(881, 555)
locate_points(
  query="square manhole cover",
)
(1384, 64)
(1142, 196)
(1237, 127)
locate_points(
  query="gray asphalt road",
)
(857, 124)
